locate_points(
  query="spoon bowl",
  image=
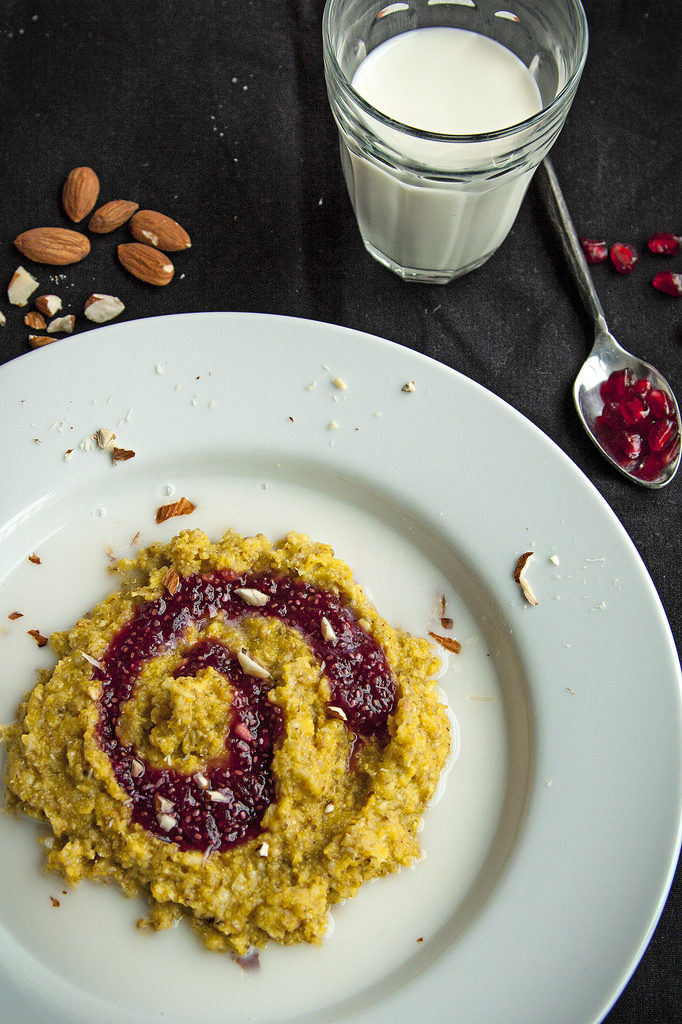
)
(605, 358)
(650, 469)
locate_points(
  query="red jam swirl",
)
(224, 804)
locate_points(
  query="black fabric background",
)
(216, 113)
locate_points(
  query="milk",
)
(438, 225)
(448, 80)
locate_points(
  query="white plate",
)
(551, 849)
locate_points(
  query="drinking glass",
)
(434, 206)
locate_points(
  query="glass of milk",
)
(444, 110)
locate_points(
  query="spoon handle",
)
(561, 218)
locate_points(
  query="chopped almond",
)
(21, 287)
(251, 596)
(448, 642)
(182, 507)
(62, 324)
(105, 438)
(39, 340)
(48, 305)
(122, 454)
(337, 712)
(520, 577)
(171, 581)
(35, 320)
(101, 308)
(445, 620)
(250, 666)
(326, 629)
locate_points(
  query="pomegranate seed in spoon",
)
(637, 424)
(661, 434)
(616, 385)
(660, 404)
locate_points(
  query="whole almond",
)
(159, 231)
(80, 192)
(146, 263)
(56, 246)
(111, 216)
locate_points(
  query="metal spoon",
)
(606, 354)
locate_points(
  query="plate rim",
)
(18, 368)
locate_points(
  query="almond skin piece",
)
(111, 216)
(146, 263)
(40, 340)
(56, 246)
(80, 193)
(159, 231)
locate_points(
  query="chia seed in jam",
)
(225, 804)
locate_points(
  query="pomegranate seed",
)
(594, 251)
(661, 434)
(660, 404)
(606, 434)
(642, 386)
(602, 426)
(650, 467)
(654, 463)
(624, 446)
(612, 440)
(633, 409)
(616, 384)
(612, 417)
(631, 445)
(624, 257)
(668, 281)
(603, 430)
(668, 454)
(665, 244)
(619, 455)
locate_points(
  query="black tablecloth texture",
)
(215, 113)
